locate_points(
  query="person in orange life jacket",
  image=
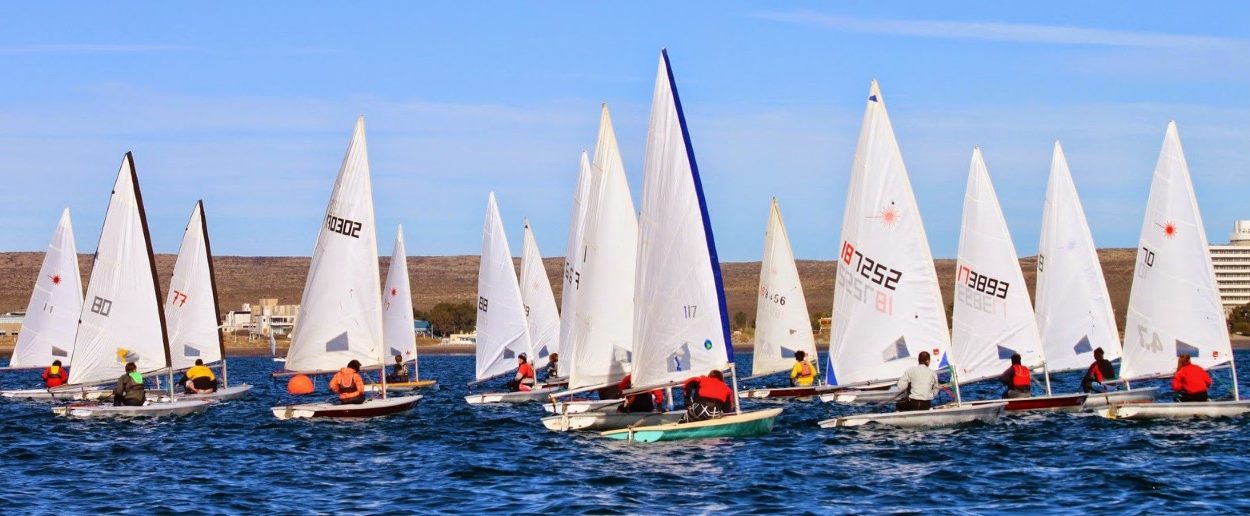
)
(803, 374)
(1018, 379)
(1098, 373)
(129, 391)
(1190, 381)
(707, 397)
(639, 401)
(55, 375)
(348, 385)
(524, 379)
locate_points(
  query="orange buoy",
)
(299, 384)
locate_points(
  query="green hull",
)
(676, 433)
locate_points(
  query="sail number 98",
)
(774, 297)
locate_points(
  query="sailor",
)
(1098, 373)
(348, 385)
(1018, 379)
(553, 367)
(639, 401)
(200, 379)
(707, 397)
(524, 379)
(803, 374)
(401, 371)
(921, 385)
(55, 375)
(129, 391)
(1190, 383)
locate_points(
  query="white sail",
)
(1074, 313)
(887, 302)
(540, 303)
(398, 331)
(680, 325)
(339, 316)
(573, 259)
(121, 319)
(52, 314)
(502, 331)
(603, 332)
(1174, 307)
(191, 302)
(782, 324)
(993, 315)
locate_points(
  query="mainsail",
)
(993, 316)
(603, 331)
(52, 315)
(887, 303)
(502, 331)
(1074, 313)
(681, 328)
(398, 331)
(191, 303)
(121, 318)
(540, 303)
(573, 259)
(1174, 307)
(339, 317)
(782, 324)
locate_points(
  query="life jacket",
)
(714, 390)
(1020, 377)
(54, 376)
(805, 371)
(1191, 379)
(527, 373)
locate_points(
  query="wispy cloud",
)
(1007, 32)
(86, 48)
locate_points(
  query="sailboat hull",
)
(942, 416)
(68, 395)
(1176, 410)
(580, 406)
(403, 386)
(860, 396)
(233, 392)
(786, 392)
(1134, 395)
(746, 424)
(175, 408)
(372, 408)
(1058, 403)
(602, 421)
(509, 397)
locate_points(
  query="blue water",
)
(446, 456)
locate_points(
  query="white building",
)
(1232, 267)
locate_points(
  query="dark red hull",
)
(1070, 402)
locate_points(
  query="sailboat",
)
(502, 330)
(191, 309)
(121, 319)
(887, 305)
(52, 314)
(603, 334)
(993, 316)
(540, 303)
(782, 324)
(340, 317)
(681, 325)
(1074, 313)
(571, 275)
(1174, 306)
(399, 336)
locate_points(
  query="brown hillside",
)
(454, 278)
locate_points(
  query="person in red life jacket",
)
(639, 401)
(348, 385)
(524, 379)
(1018, 379)
(707, 397)
(1190, 383)
(1098, 374)
(55, 375)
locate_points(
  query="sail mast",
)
(212, 280)
(156, 284)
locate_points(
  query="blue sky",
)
(249, 106)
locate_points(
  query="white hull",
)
(1134, 395)
(233, 392)
(580, 406)
(947, 415)
(600, 421)
(509, 397)
(46, 395)
(860, 397)
(176, 408)
(1176, 410)
(786, 392)
(370, 408)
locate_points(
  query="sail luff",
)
(212, 280)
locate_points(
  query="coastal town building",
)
(1232, 267)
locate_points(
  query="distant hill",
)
(454, 278)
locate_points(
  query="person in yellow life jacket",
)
(1018, 379)
(348, 385)
(55, 375)
(803, 374)
(200, 379)
(129, 391)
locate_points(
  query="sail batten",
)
(51, 321)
